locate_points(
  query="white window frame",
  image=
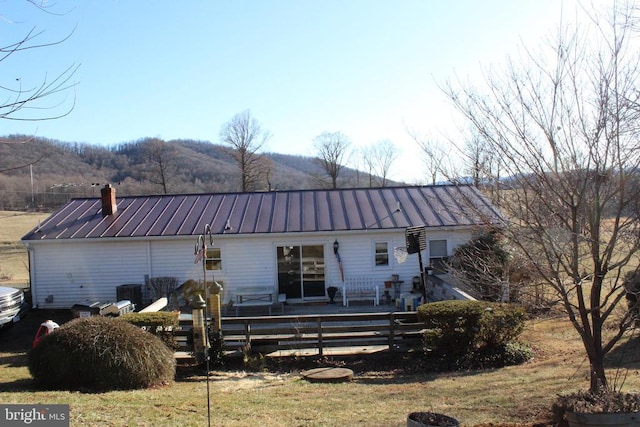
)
(212, 261)
(376, 253)
(439, 258)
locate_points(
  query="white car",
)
(11, 304)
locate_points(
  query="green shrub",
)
(161, 324)
(216, 350)
(463, 330)
(511, 353)
(98, 354)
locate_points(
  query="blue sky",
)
(181, 69)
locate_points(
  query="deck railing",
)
(398, 331)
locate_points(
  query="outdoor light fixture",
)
(336, 245)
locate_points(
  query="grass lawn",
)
(14, 264)
(518, 394)
(521, 394)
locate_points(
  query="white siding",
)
(174, 258)
(248, 262)
(75, 272)
(358, 259)
(91, 270)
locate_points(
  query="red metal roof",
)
(270, 212)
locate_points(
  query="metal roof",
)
(270, 212)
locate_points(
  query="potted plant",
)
(422, 419)
(602, 408)
(331, 292)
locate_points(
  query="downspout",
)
(149, 264)
(147, 290)
(31, 262)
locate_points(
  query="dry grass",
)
(14, 270)
(521, 394)
(515, 394)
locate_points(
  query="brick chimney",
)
(108, 194)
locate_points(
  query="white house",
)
(281, 240)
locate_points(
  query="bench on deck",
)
(257, 297)
(360, 288)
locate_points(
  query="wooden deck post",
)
(247, 331)
(392, 329)
(320, 349)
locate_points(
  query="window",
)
(301, 271)
(438, 254)
(382, 253)
(214, 259)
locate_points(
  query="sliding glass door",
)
(301, 271)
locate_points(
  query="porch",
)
(324, 328)
(316, 308)
(314, 330)
(395, 299)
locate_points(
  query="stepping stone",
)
(328, 375)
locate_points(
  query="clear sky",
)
(181, 69)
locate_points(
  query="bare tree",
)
(268, 166)
(475, 151)
(22, 164)
(25, 101)
(564, 125)
(160, 158)
(378, 159)
(245, 137)
(472, 161)
(481, 165)
(332, 150)
(432, 153)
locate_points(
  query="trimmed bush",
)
(511, 353)
(161, 324)
(468, 332)
(99, 354)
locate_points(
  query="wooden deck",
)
(349, 332)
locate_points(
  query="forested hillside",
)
(43, 174)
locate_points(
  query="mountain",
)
(45, 173)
